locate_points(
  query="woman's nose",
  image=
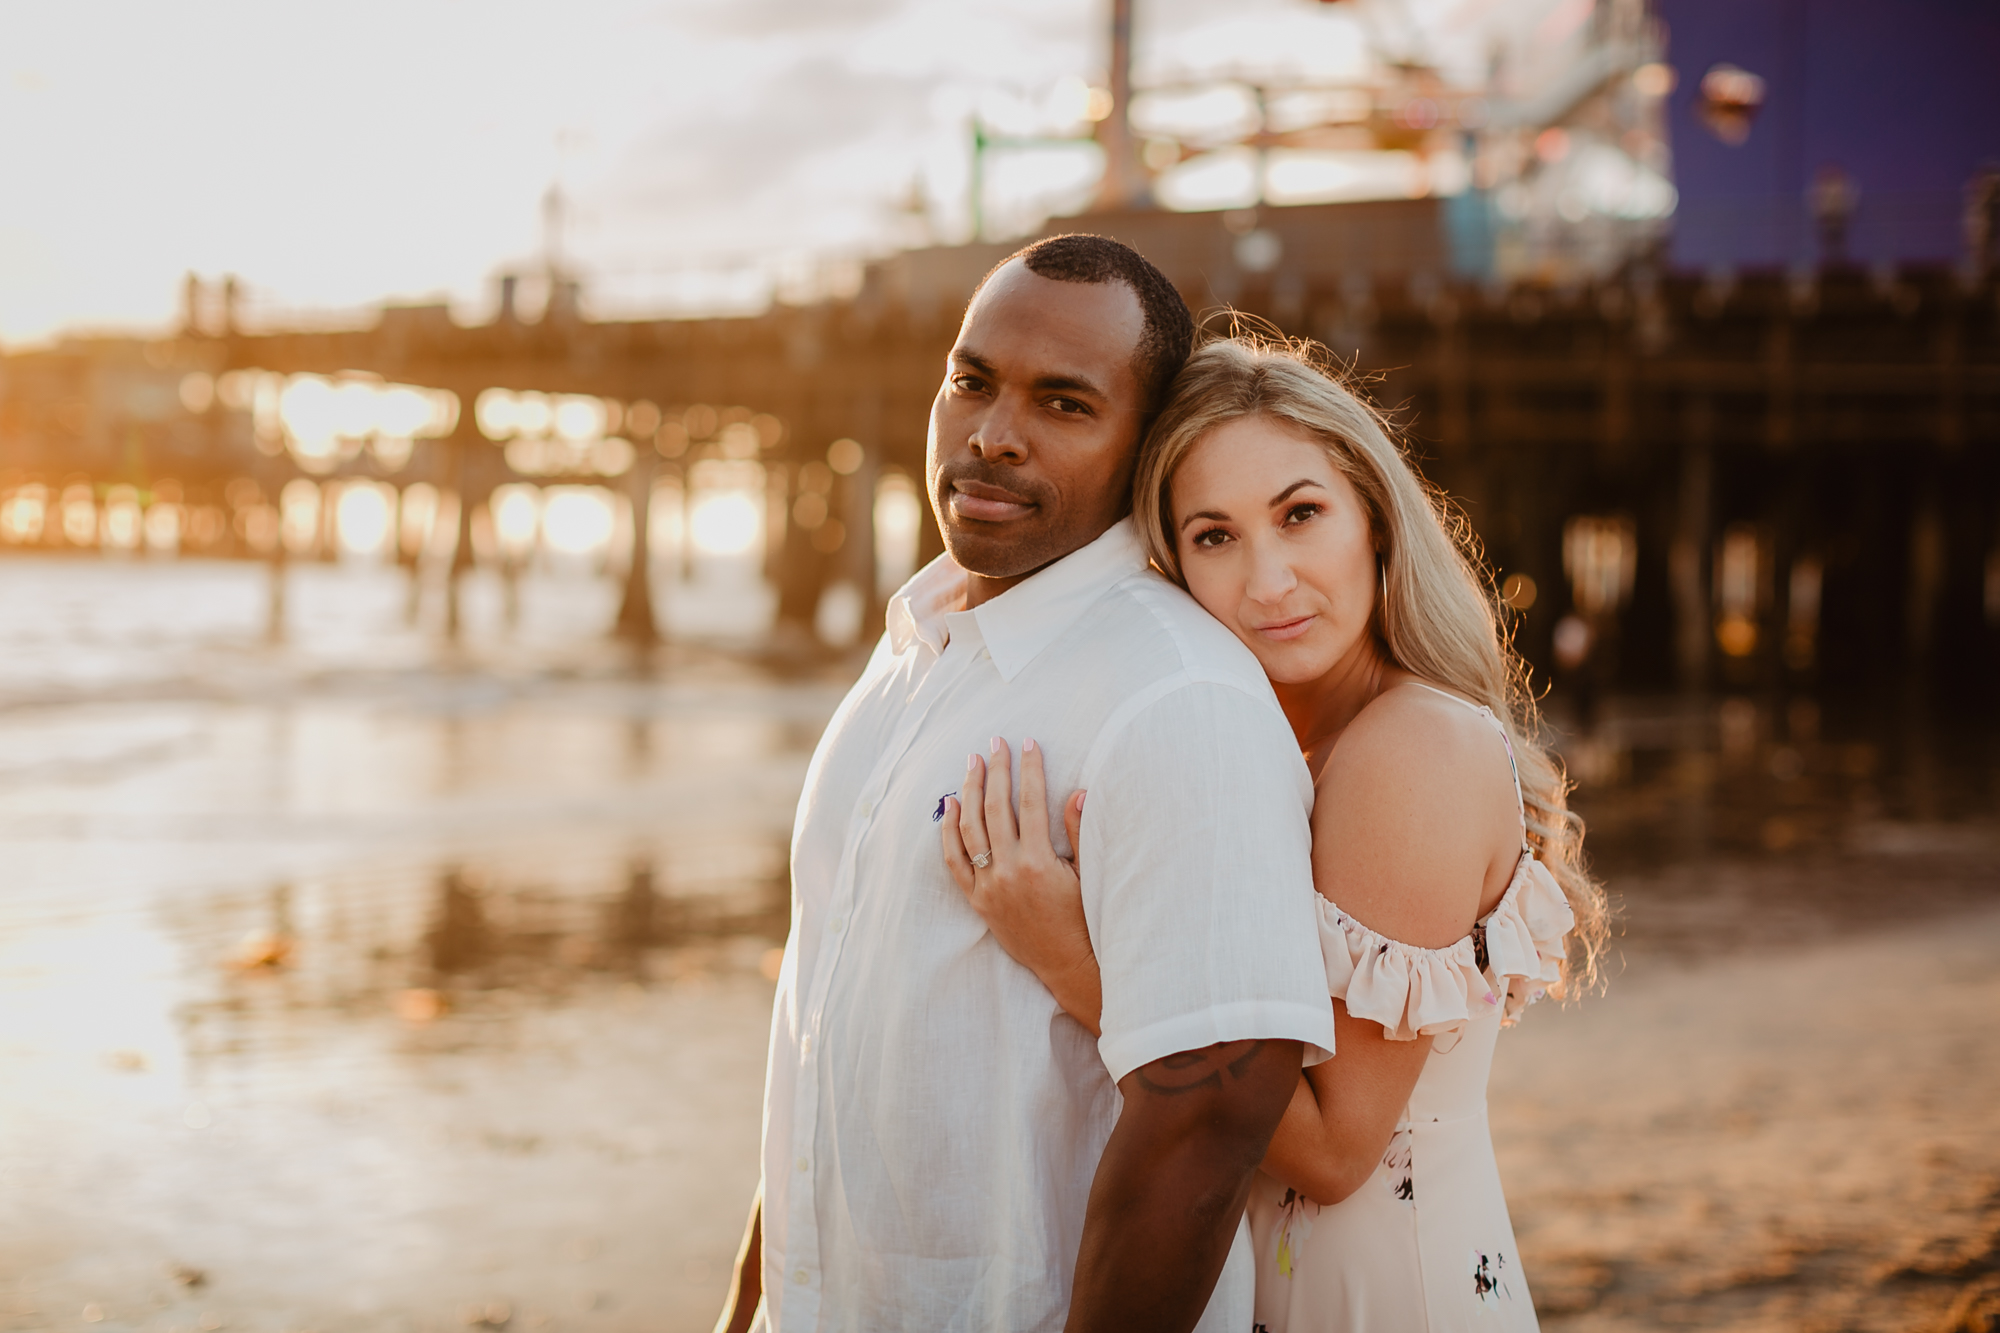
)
(1271, 578)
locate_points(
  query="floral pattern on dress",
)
(1399, 1166)
(1489, 1278)
(1295, 1223)
(1296, 1213)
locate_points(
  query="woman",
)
(1447, 861)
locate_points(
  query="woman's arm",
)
(1030, 898)
(1412, 824)
(1344, 1111)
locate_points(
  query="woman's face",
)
(1275, 544)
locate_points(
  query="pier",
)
(1680, 481)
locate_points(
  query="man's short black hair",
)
(1166, 335)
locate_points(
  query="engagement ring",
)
(982, 860)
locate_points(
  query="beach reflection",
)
(404, 993)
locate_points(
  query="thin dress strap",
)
(1519, 803)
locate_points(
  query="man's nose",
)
(1271, 577)
(997, 437)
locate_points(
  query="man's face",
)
(1035, 427)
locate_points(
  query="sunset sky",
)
(337, 155)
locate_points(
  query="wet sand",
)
(360, 983)
(1784, 1138)
(578, 1165)
(1778, 1138)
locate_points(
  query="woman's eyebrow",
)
(1216, 515)
(1287, 493)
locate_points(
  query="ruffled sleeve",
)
(1434, 993)
(1526, 937)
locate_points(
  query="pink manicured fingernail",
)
(1027, 745)
(998, 745)
(972, 763)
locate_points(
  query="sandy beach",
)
(343, 991)
(1774, 1139)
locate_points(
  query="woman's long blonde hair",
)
(1438, 617)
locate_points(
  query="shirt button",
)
(986, 653)
(867, 808)
(800, 1276)
(806, 1045)
(835, 925)
(804, 1165)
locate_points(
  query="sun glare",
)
(727, 523)
(325, 418)
(298, 508)
(576, 519)
(516, 519)
(363, 513)
(899, 516)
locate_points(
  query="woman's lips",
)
(1287, 629)
(985, 504)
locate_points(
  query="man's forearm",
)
(1158, 1235)
(746, 1284)
(1173, 1181)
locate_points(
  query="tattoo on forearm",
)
(1204, 1068)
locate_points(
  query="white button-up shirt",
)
(932, 1118)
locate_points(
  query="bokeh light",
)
(299, 516)
(122, 521)
(163, 527)
(578, 419)
(24, 514)
(899, 516)
(324, 419)
(728, 523)
(364, 513)
(517, 519)
(577, 520)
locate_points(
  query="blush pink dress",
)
(1425, 1245)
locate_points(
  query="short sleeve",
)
(1197, 877)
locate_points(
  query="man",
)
(944, 1148)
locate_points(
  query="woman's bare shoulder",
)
(1413, 802)
(1417, 738)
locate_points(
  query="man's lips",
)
(1282, 630)
(981, 503)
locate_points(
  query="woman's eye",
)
(1300, 513)
(1211, 537)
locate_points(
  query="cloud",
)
(744, 18)
(336, 155)
(773, 129)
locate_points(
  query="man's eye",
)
(1067, 406)
(1300, 513)
(967, 383)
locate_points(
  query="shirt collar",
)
(1019, 623)
(917, 611)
